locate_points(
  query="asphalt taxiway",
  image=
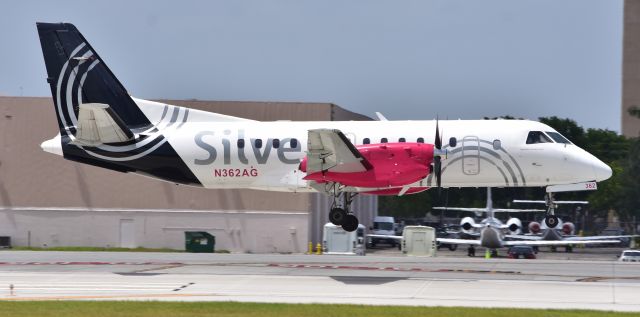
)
(372, 279)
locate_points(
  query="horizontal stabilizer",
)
(557, 202)
(476, 210)
(99, 124)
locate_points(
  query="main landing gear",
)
(342, 216)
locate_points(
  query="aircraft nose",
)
(588, 166)
(602, 171)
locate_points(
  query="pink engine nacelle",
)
(394, 165)
(534, 227)
(568, 228)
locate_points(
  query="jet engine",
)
(567, 228)
(467, 224)
(514, 225)
(534, 227)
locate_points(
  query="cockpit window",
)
(535, 137)
(558, 137)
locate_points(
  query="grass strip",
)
(235, 309)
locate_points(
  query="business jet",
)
(552, 228)
(100, 124)
(493, 234)
(470, 227)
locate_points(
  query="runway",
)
(377, 280)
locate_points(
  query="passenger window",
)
(453, 142)
(276, 143)
(558, 137)
(241, 143)
(420, 140)
(383, 140)
(258, 143)
(294, 143)
(535, 137)
(366, 141)
(402, 140)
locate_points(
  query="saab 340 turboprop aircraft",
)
(101, 125)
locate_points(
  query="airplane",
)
(552, 228)
(494, 234)
(100, 124)
(470, 227)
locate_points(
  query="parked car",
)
(523, 251)
(630, 256)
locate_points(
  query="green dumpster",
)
(199, 242)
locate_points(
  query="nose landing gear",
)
(551, 220)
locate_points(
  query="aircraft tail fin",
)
(77, 75)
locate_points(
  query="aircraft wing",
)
(458, 241)
(542, 243)
(597, 238)
(517, 210)
(384, 236)
(331, 150)
(485, 209)
(557, 202)
(572, 239)
(461, 209)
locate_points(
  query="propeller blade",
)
(439, 174)
(438, 140)
(437, 166)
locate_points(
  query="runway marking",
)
(164, 267)
(398, 269)
(604, 278)
(183, 287)
(388, 268)
(72, 297)
(93, 263)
